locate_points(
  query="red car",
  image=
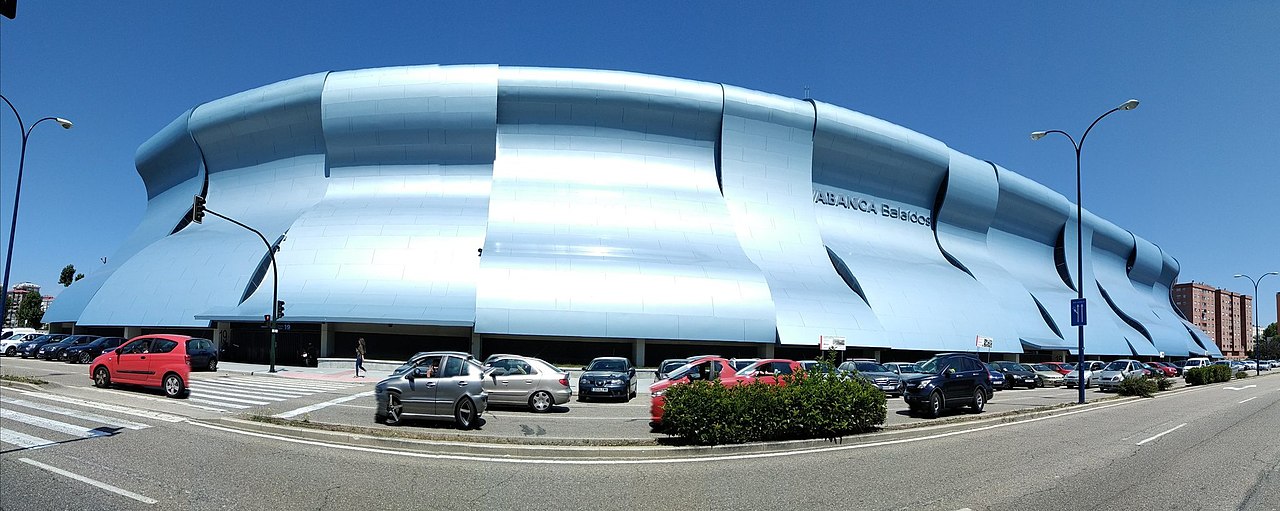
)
(154, 360)
(709, 368)
(1060, 367)
(1165, 368)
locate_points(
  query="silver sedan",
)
(526, 381)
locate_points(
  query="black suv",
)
(949, 380)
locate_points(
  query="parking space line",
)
(118, 491)
(22, 440)
(312, 408)
(1175, 428)
(1247, 400)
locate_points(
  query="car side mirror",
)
(632, 372)
(951, 371)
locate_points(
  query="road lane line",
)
(317, 406)
(1175, 428)
(1247, 400)
(59, 426)
(76, 413)
(108, 407)
(23, 440)
(118, 491)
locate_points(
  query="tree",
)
(79, 276)
(29, 313)
(68, 275)
(1269, 332)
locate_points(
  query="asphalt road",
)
(1202, 448)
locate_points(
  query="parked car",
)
(1109, 377)
(1071, 380)
(669, 365)
(1193, 363)
(1235, 365)
(29, 349)
(496, 356)
(57, 350)
(769, 370)
(1250, 365)
(739, 363)
(883, 378)
(1015, 375)
(809, 365)
(902, 368)
(950, 380)
(85, 353)
(607, 377)
(1048, 377)
(526, 381)
(436, 385)
(1060, 367)
(153, 360)
(1160, 369)
(998, 381)
(706, 368)
(9, 346)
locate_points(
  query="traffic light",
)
(279, 308)
(197, 209)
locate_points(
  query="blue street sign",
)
(1078, 317)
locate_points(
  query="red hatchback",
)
(155, 360)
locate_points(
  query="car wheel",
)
(84, 358)
(541, 401)
(395, 410)
(979, 400)
(102, 377)
(11, 352)
(935, 404)
(173, 386)
(464, 415)
(213, 364)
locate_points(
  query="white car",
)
(1117, 371)
(1073, 377)
(9, 347)
(1193, 363)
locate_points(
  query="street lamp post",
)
(17, 194)
(1257, 355)
(1127, 105)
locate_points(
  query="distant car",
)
(1193, 363)
(769, 370)
(1060, 367)
(1048, 377)
(488, 360)
(668, 365)
(903, 368)
(739, 363)
(949, 380)
(85, 353)
(29, 349)
(607, 377)
(1015, 375)
(1235, 365)
(57, 350)
(526, 381)
(1110, 377)
(204, 356)
(1071, 380)
(436, 385)
(809, 365)
(9, 346)
(1250, 365)
(1160, 369)
(154, 360)
(883, 378)
(703, 368)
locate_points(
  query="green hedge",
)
(1208, 374)
(1242, 375)
(814, 405)
(1143, 386)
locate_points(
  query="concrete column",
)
(222, 335)
(326, 340)
(132, 331)
(476, 345)
(875, 354)
(766, 351)
(637, 352)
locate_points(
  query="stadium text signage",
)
(866, 206)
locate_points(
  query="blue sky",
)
(1193, 169)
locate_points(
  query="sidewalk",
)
(304, 373)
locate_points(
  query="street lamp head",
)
(1271, 273)
(1037, 135)
(1129, 105)
(1236, 276)
(66, 124)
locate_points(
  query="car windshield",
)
(671, 365)
(607, 365)
(1118, 365)
(83, 340)
(870, 367)
(928, 367)
(1042, 367)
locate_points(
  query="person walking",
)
(360, 358)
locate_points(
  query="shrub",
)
(813, 405)
(1164, 383)
(1142, 386)
(1242, 375)
(1208, 374)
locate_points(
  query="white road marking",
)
(1241, 388)
(219, 403)
(242, 387)
(234, 398)
(1247, 400)
(77, 413)
(302, 385)
(1175, 428)
(118, 491)
(648, 461)
(108, 407)
(59, 426)
(23, 440)
(317, 406)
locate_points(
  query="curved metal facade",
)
(602, 204)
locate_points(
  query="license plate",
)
(599, 389)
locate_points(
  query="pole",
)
(1257, 354)
(275, 281)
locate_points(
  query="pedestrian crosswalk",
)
(234, 393)
(36, 423)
